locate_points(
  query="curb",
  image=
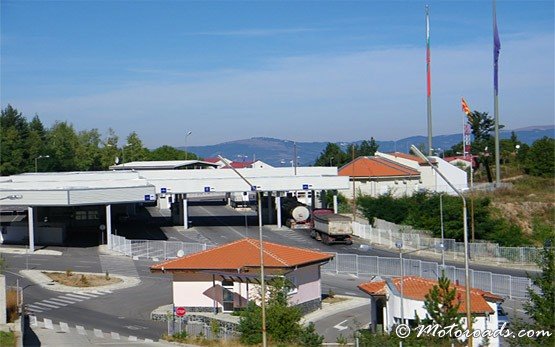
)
(44, 281)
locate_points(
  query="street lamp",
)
(442, 236)
(186, 136)
(465, 235)
(331, 161)
(37, 158)
(261, 246)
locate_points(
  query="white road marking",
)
(132, 338)
(45, 305)
(35, 309)
(341, 327)
(64, 300)
(114, 335)
(54, 302)
(64, 327)
(48, 324)
(33, 321)
(88, 294)
(98, 333)
(81, 330)
(78, 296)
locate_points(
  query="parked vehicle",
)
(502, 317)
(296, 214)
(330, 227)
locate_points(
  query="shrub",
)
(69, 272)
(12, 311)
(84, 281)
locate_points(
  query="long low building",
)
(93, 199)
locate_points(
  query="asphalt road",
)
(127, 311)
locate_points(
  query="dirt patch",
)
(81, 280)
(333, 300)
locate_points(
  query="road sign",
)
(180, 311)
(163, 190)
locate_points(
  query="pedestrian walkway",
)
(118, 265)
(47, 333)
(63, 301)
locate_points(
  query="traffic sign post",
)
(180, 311)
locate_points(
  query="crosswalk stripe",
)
(43, 304)
(53, 302)
(88, 294)
(66, 297)
(103, 291)
(79, 296)
(35, 309)
(98, 333)
(64, 300)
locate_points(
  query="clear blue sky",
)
(297, 70)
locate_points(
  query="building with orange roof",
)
(429, 179)
(385, 303)
(227, 277)
(376, 176)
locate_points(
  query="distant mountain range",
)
(278, 152)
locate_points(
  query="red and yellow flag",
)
(465, 108)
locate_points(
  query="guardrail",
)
(485, 251)
(503, 285)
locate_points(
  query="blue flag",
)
(496, 49)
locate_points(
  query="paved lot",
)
(126, 312)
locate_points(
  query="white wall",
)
(411, 306)
(397, 187)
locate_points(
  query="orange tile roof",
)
(244, 253)
(376, 167)
(417, 287)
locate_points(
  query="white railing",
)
(503, 285)
(485, 251)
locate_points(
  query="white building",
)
(385, 305)
(430, 180)
(227, 277)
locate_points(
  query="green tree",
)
(309, 337)
(541, 306)
(14, 133)
(332, 155)
(482, 127)
(282, 320)
(540, 159)
(169, 153)
(442, 304)
(367, 148)
(36, 142)
(134, 150)
(109, 152)
(89, 152)
(63, 146)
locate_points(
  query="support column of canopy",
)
(278, 209)
(335, 201)
(31, 218)
(185, 212)
(109, 226)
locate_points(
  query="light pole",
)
(261, 246)
(36, 160)
(186, 136)
(331, 161)
(465, 235)
(399, 245)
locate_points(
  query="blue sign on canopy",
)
(147, 197)
(207, 189)
(305, 186)
(163, 190)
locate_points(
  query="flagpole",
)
(496, 48)
(429, 81)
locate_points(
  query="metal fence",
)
(155, 249)
(198, 327)
(503, 285)
(486, 251)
